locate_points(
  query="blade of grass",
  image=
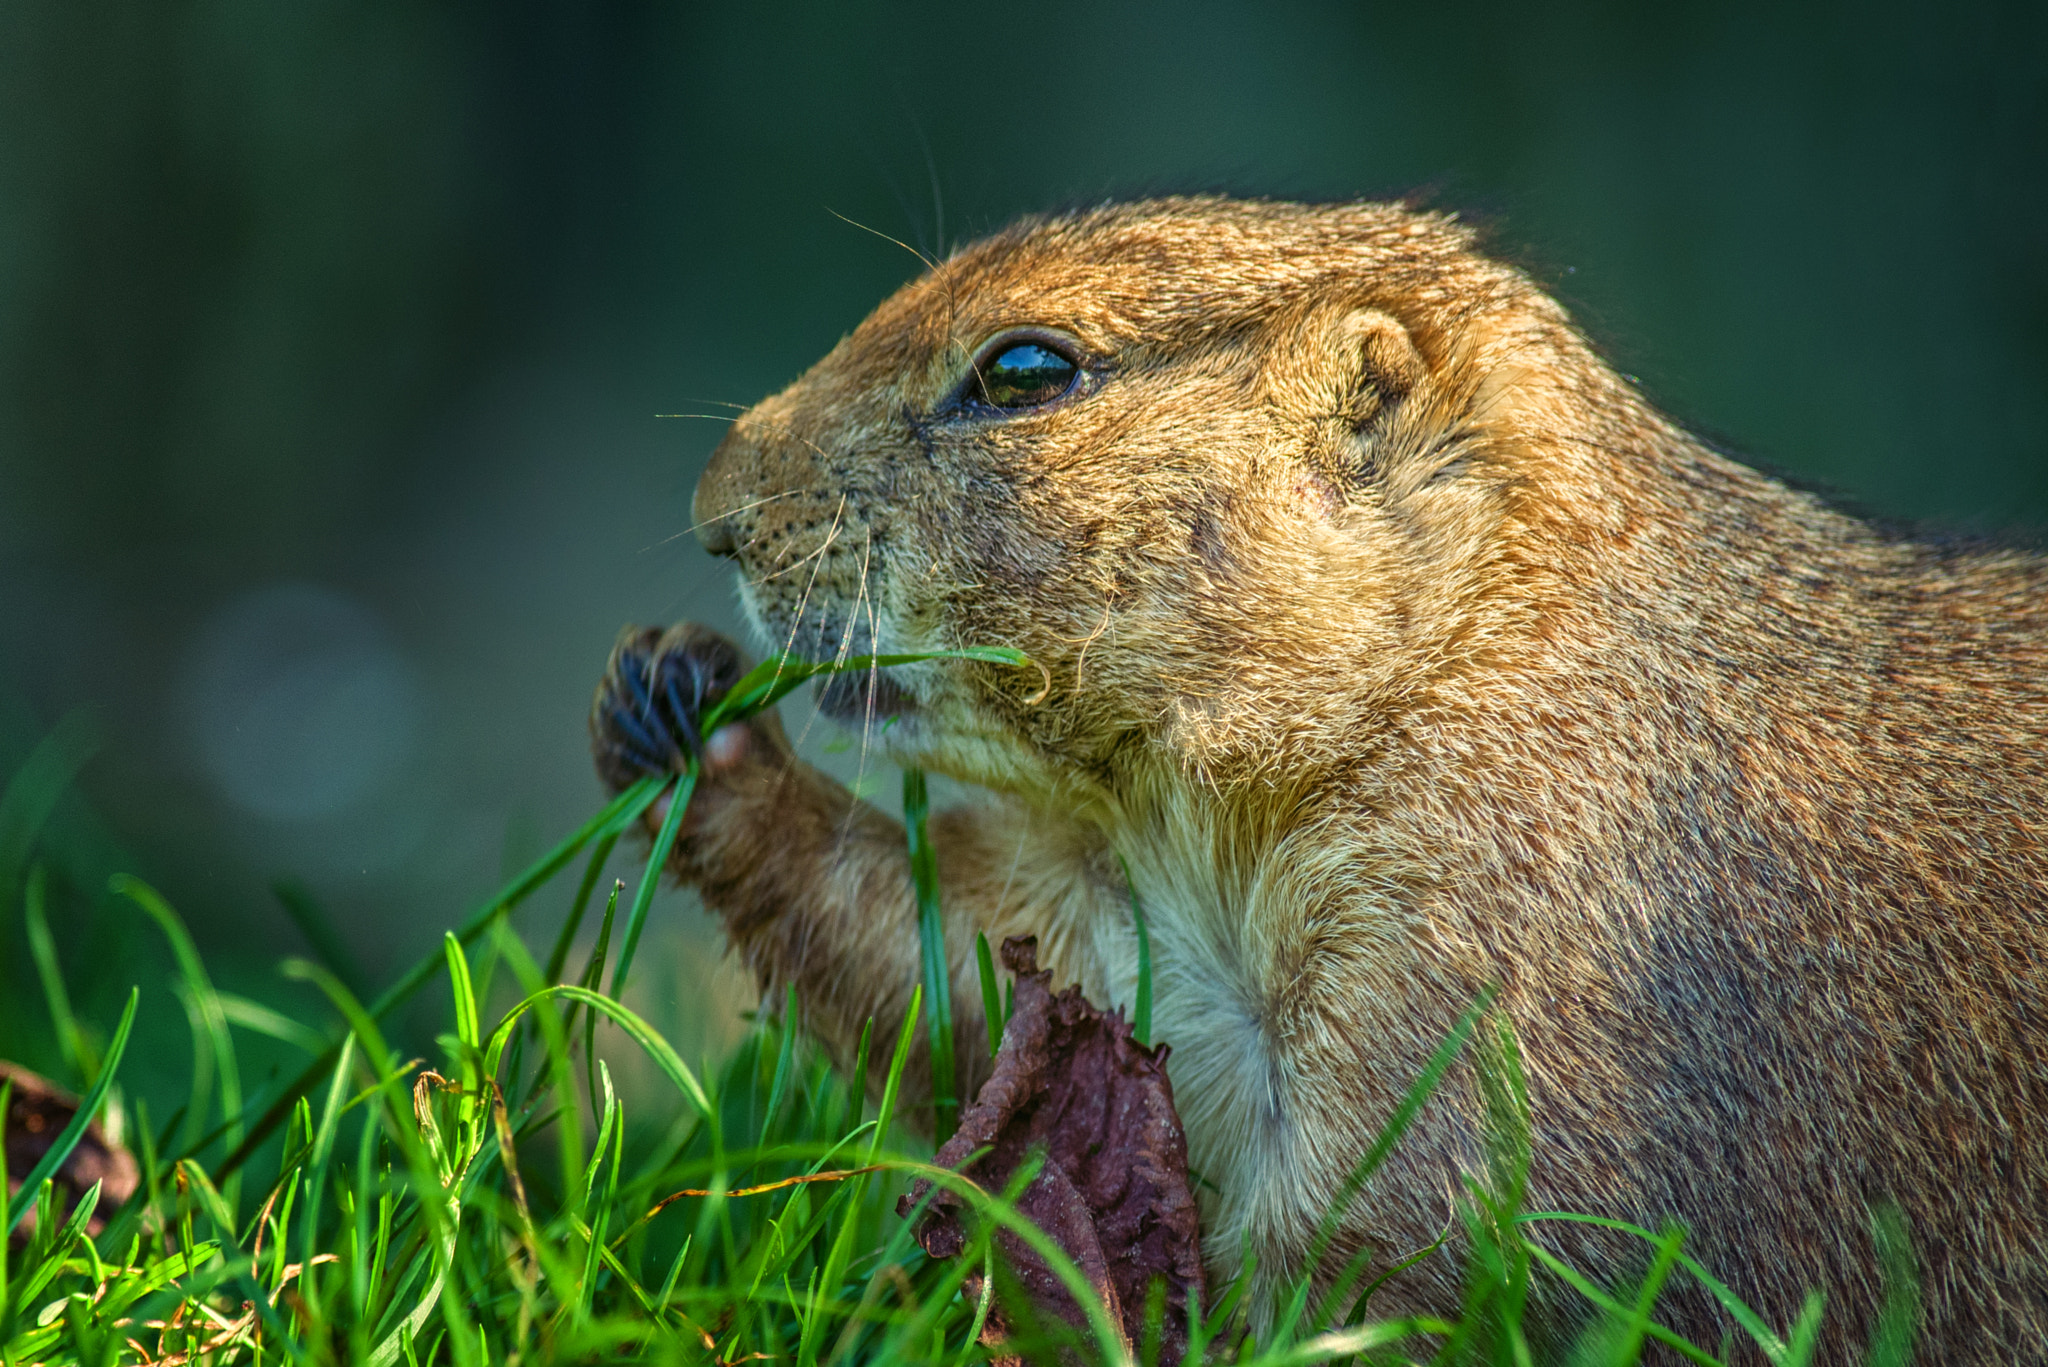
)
(841, 1251)
(643, 1034)
(363, 1264)
(1738, 1310)
(768, 682)
(464, 993)
(67, 1140)
(991, 996)
(1383, 1143)
(1804, 1337)
(1364, 1301)
(1141, 1009)
(37, 786)
(206, 1002)
(600, 954)
(556, 1067)
(1891, 1337)
(857, 1080)
(1503, 1088)
(785, 1052)
(657, 860)
(558, 957)
(318, 929)
(43, 949)
(931, 936)
(6, 1236)
(53, 1259)
(251, 1015)
(608, 1118)
(1631, 1346)
(1585, 1287)
(609, 1131)
(593, 978)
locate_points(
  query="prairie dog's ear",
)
(1350, 382)
(1347, 366)
(1382, 363)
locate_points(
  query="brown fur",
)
(1401, 647)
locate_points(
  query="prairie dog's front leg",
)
(814, 884)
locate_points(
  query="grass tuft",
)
(509, 1198)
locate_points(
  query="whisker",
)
(931, 170)
(796, 565)
(730, 512)
(867, 718)
(873, 672)
(929, 264)
(937, 278)
(715, 403)
(781, 428)
(845, 647)
(803, 602)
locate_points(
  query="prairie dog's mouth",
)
(863, 695)
(857, 697)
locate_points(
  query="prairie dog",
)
(1401, 648)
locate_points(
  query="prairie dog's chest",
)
(1210, 1006)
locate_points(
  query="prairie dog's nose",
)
(762, 478)
(717, 501)
(714, 533)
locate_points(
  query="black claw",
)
(643, 761)
(697, 682)
(635, 669)
(623, 719)
(682, 719)
(634, 745)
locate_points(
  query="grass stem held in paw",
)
(657, 859)
(558, 957)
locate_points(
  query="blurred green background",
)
(335, 342)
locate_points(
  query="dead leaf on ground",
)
(36, 1114)
(1113, 1193)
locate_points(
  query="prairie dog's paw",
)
(648, 713)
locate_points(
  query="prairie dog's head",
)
(1236, 475)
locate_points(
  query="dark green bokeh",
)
(387, 299)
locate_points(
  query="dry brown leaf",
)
(1113, 1193)
(37, 1113)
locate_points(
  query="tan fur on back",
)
(1402, 648)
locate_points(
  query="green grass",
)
(504, 1203)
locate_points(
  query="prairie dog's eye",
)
(1025, 375)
